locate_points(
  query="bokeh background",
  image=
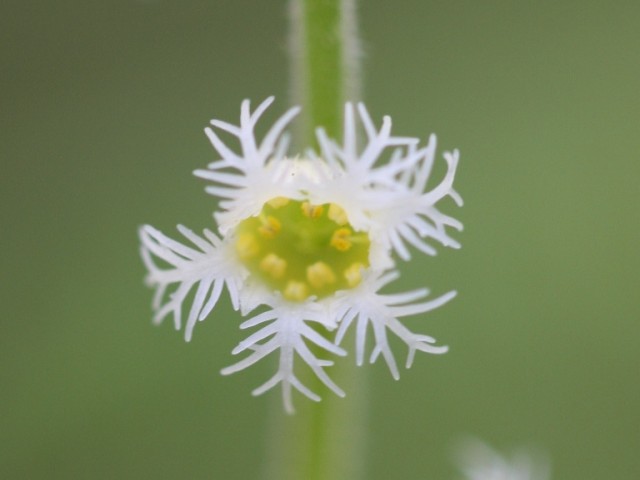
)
(101, 116)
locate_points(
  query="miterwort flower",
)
(478, 461)
(306, 243)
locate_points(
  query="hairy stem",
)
(325, 440)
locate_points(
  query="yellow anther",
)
(270, 227)
(353, 274)
(312, 211)
(247, 246)
(278, 202)
(337, 214)
(341, 239)
(273, 265)
(320, 274)
(296, 291)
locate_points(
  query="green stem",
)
(325, 64)
(325, 440)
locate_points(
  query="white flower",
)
(309, 241)
(478, 461)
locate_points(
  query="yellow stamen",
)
(278, 202)
(296, 291)
(273, 265)
(247, 246)
(320, 274)
(353, 274)
(312, 211)
(270, 227)
(337, 214)
(341, 239)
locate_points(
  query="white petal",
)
(382, 311)
(188, 267)
(285, 326)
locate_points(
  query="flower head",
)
(308, 242)
(478, 461)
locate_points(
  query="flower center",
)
(302, 249)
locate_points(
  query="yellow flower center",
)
(301, 249)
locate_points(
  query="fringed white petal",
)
(410, 217)
(367, 307)
(285, 329)
(210, 267)
(383, 184)
(244, 180)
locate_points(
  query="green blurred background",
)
(101, 116)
